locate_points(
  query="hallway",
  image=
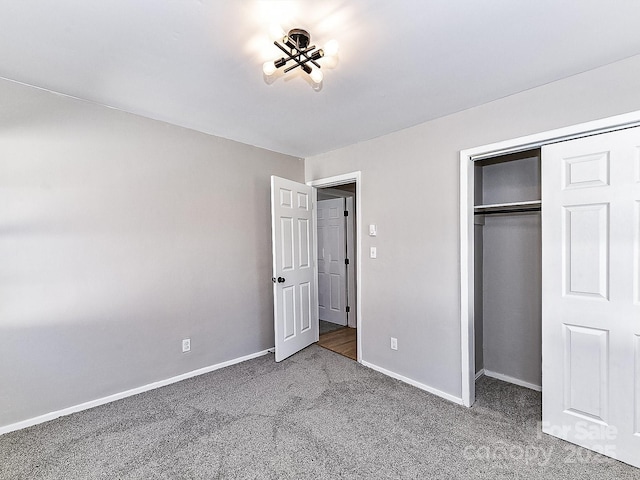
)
(339, 339)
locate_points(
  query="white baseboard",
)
(480, 373)
(515, 381)
(421, 386)
(127, 393)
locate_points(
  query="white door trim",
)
(351, 253)
(467, 158)
(353, 177)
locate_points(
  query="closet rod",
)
(512, 210)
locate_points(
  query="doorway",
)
(508, 271)
(335, 232)
(341, 333)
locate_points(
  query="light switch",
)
(373, 230)
(373, 252)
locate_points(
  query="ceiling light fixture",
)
(295, 45)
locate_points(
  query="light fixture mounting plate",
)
(300, 37)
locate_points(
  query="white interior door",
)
(295, 290)
(332, 270)
(591, 293)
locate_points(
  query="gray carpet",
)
(326, 327)
(316, 415)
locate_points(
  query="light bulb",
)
(331, 48)
(316, 75)
(269, 68)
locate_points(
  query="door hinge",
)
(346, 261)
(348, 309)
(346, 213)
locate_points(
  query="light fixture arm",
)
(300, 63)
(310, 59)
(292, 56)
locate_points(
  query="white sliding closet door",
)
(591, 292)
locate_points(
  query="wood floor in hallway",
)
(342, 341)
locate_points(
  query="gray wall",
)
(410, 189)
(510, 181)
(119, 236)
(508, 267)
(512, 281)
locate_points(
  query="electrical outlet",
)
(186, 345)
(394, 343)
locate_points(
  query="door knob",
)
(280, 279)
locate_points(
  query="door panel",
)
(590, 292)
(286, 226)
(332, 271)
(587, 171)
(586, 367)
(335, 286)
(304, 243)
(303, 201)
(587, 261)
(305, 306)
(294, 288)
(289, 312)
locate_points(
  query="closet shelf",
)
(513, 207)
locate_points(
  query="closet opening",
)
(337, 263)
(507, 272)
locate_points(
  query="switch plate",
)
(373, 230)
(394, 343)
(186, 345)
(373, 252)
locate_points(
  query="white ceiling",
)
(198, 63)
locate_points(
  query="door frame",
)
(353, 177)
(467, 253)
